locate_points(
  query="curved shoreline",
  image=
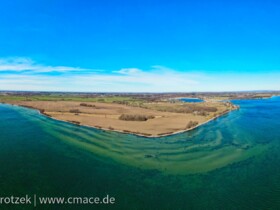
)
(124, 132)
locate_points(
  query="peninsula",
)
(149, 115)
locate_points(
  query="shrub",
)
(202, 113)
(191, 124)
(87, 105)
(74, 111)
(135, 117)
(210, 109)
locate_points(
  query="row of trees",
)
(87, 105)
(135, 117)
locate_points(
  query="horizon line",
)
(149, 92)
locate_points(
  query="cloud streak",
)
(155, 79)
(20, 64)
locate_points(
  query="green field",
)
(66, 97)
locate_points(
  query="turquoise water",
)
(191, 100)
(230, 163)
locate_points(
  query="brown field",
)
(151, 119)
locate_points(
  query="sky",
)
(139, 46)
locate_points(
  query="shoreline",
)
(128, 132)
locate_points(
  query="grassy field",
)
(81, 98)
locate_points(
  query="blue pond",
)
(192, 100)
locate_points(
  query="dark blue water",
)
(230, 163)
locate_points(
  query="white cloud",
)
(167, 81)
(129, 71)
(156, 79)
(18, 64)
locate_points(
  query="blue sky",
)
(139, 46)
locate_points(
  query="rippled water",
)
(230, 163)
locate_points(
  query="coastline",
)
(40, 111)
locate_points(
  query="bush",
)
(74, 111)
(135, 117)
(121, 102)
(87, 105)
(202, 113)
(210, 109)
(191, 124)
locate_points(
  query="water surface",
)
(230, 163)
(191, 100)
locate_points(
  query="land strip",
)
(143, 116)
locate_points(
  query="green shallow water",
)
(230, 163)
